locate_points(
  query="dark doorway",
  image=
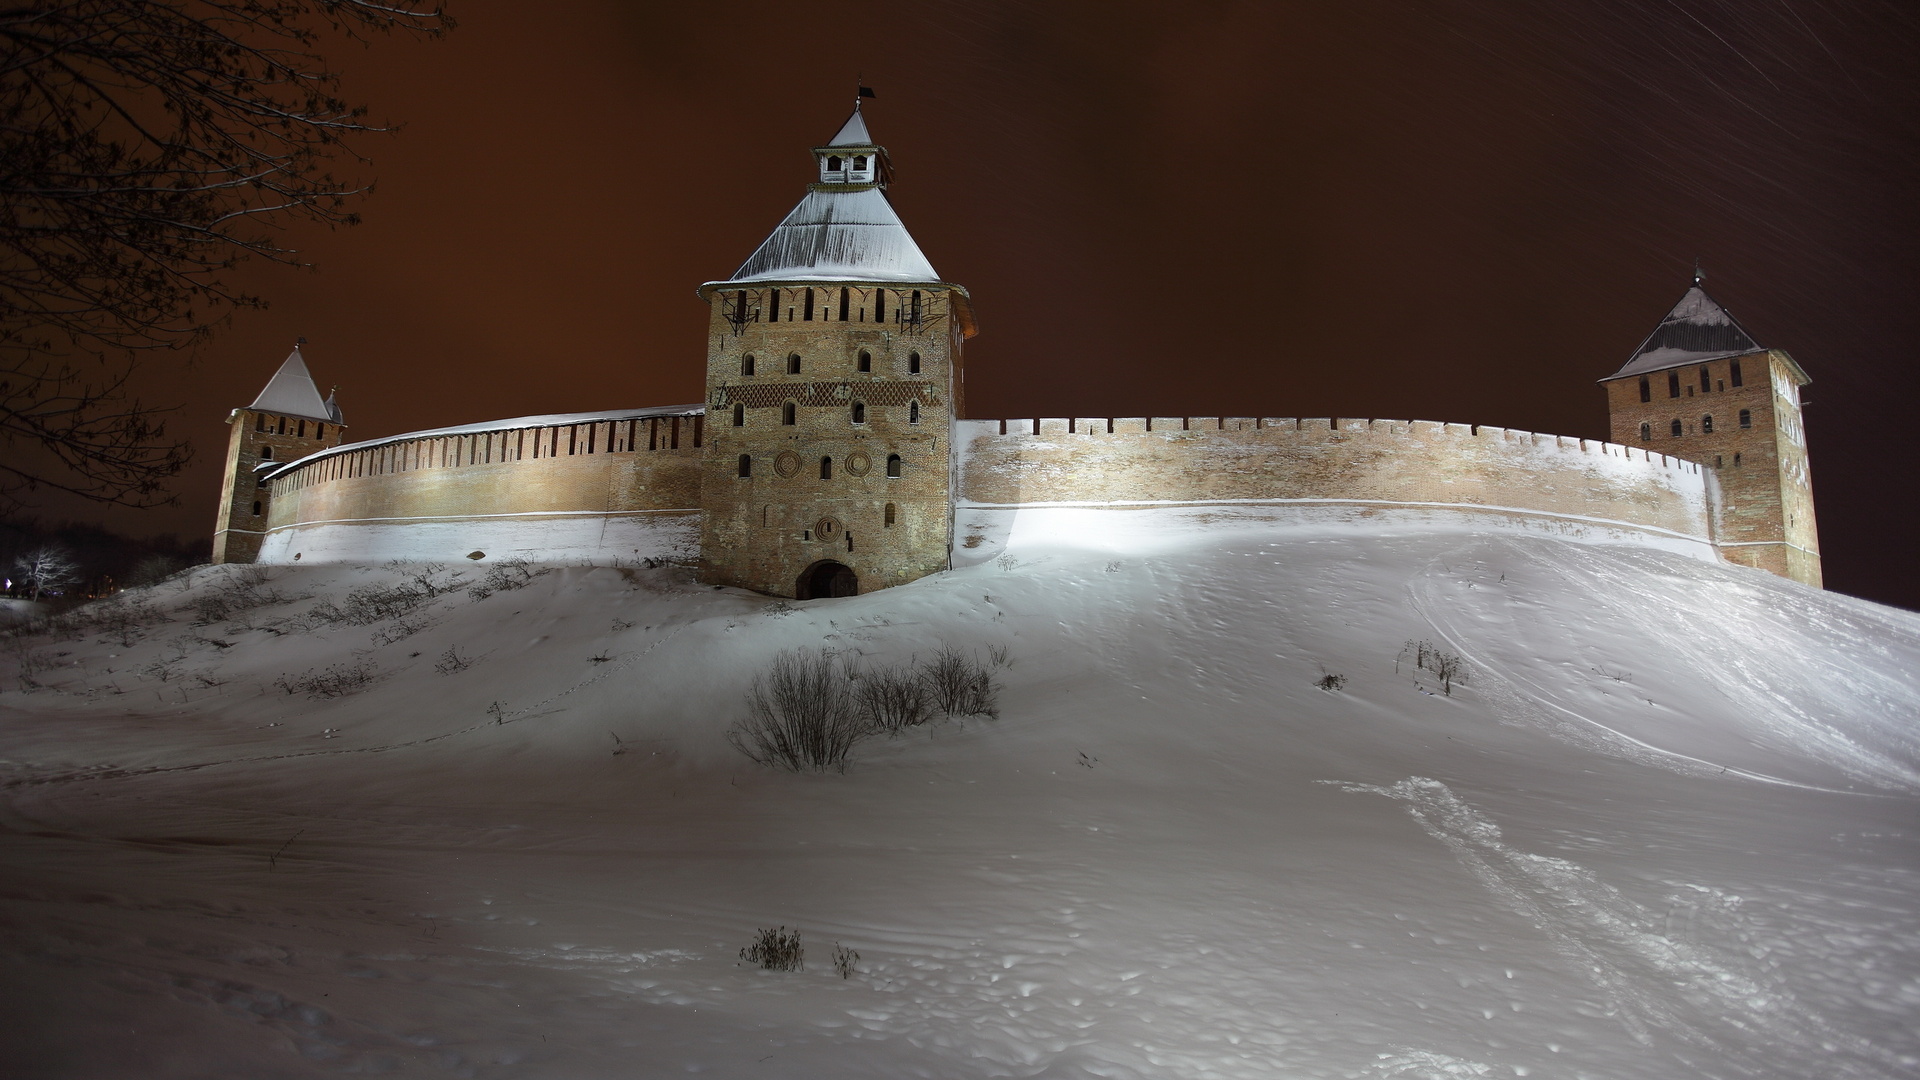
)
(826, 579)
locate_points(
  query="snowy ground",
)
(1666, 828)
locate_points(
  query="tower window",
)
(256, 509)
(1677, 429)
(833, 163)
(1646, 432)
(746, 364)
(913, 363)
(260, 422)
(1733, 372)
(746, 466)
(1716, 461)
(773, 305)
(1736, 459)
(879, 305)
(739, 414)
(893, 466)
(266, 453)
(860, 162)
(1673, 384)
(859, 412)
(1706, 424)
(845, 295)
(1646, 389)
(793, 364)
(890, 515)
(826, 468)
(913, 412)
(786, 414)
(806, 307)
(1746, 420)
(1706, 380)
(319, 431)
(866, 361)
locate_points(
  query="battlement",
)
(1141, 460)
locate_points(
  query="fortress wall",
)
(1134, 460)
(560, 493)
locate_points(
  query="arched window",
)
(913, 363)
(1746, 419)
(860, 162)
(773, 305)
(1646, 389)
(879, 305)
(893, 466)
(786, 414)
(320, 431)
(1673, 384)
(746, 466)
(281, 427)
(1646, 432)
(826, 468)
(260, 422)
(913, 412)
(866, 361)
(256, 509)
(746, 364)
(890, 515)
(843, 303)
(793, 363)
(266, 453)
(739, 414)
(1706, 424)
(833, 163)
(859, 412)
(1706, 378)
(1677, 429)
(1733, 372)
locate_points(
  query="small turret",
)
(287, 421)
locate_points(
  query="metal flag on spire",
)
(861, 91)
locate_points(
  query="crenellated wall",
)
(587, 486)
(1147, 460)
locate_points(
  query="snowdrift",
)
(278, 823)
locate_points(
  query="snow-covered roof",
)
(853, 132)
(839, 236)
(543, 420)
(333, 407)
(291, 393)
(1696, 329)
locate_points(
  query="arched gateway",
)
(826, 579)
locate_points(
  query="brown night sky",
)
(1462, 210)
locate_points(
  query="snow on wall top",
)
(543, 420)
(839, 236)
(853, 132)
(1696, 329)
(291, 393)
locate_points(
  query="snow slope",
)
(1667, 827)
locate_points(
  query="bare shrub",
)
(238, 589)
(802, 714)
(893, 699)
(843, 960)
(505, 576)
(1331, 682)
(960, 685)
(451, 662)
(336, 680)
(776, 950)
(399, 630)
(371, 604)
(1448, 667)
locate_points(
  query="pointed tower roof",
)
(853, 132)
(1696, 329)
(845, 229)
(291, 392)
(333, 407)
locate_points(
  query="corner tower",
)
(287, 421)
(1699, 387)
(833, 381)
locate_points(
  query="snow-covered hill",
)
(1665, 827)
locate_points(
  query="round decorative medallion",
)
(786, 463)
(858, 463)
(826, 529)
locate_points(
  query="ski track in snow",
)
(1726, 1010)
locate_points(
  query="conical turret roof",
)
(1696, 329)
(853, 132)
(291, 392)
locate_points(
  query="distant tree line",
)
(71, 560)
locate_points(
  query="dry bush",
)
(336, 680)
(1448, 667)
(776, 950)
(451, 662)
(960, 684)
(893, 699)
(802, 714)
(505, 576)
(238, 589)
(843, 960)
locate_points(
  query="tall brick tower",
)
(1699, 387)
(833, 380)
(287, 421)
